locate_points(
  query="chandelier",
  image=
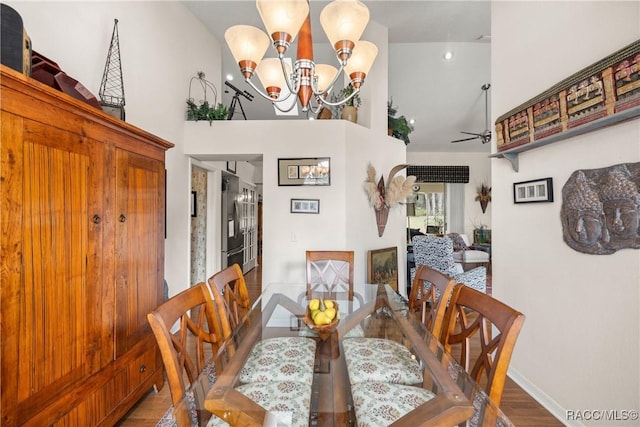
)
(343, 22)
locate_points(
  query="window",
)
(429, 213)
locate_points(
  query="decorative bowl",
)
(322, 330)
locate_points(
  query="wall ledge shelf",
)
(512, 153)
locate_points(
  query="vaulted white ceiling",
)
(443, 97)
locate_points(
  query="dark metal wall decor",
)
(601, 209)
(602, 94)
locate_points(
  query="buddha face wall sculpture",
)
(601, 209)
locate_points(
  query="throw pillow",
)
(458, 242)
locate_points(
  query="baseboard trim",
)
(542, 398)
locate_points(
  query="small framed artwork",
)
(382, 267)
(194, 204)
(292, 172)
(231, 166)
(307, 206)
(537, 190)
(304, 171)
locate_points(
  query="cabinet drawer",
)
(107, 404)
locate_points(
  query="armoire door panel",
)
(56, 334)
(139, 201)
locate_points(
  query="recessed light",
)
(448, 55)
(229, 77)
(412, 121)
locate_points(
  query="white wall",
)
(156, 67)
(345, 221)
(438, 86)
(579, 347)
(479, 172)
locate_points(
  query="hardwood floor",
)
(521, 408)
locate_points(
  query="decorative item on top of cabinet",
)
(382, 198)
(111, 91)
(82, 258)
(601, 209)
(15, 51)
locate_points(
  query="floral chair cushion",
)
(280, 359)
(291, 398)
(284, 397)
(378, 359)
(380, 404)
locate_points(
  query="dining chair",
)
(330, 270)
(429, 297)
(193, 313)
(384, 360)
(471, 312)
(199, 321)
(272, 359)
(232, 287)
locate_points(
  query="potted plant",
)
(205, 111)
(350, 108)
(398, 127)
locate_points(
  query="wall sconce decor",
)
(483, 196)
(382, 198)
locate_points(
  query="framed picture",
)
(382, 267)
(304, 171)
(292, 172)
(537, 190)
(231, 166)
(194, 204)
(308, 206)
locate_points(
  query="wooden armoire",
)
(83, 221)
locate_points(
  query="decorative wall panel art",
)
(601, 209)
(597, 96)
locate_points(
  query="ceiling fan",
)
(485, 136)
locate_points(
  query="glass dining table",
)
(376, 311)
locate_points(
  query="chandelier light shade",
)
(361, 61)
(283, 19)
(343, 21)
(271, 76)
(325, 74)
(248, 45)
